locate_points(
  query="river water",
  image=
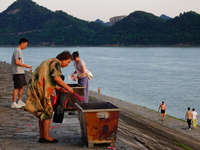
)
(144, 76)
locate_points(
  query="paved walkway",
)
(19, 128)
(139, 128)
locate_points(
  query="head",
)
(23, 43)
(75, 55)
(65, 58)
(188, 108)
(163, 102)
(193, 109)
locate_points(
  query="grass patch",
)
(183, 146)
(176, 118)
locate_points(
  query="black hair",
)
(75, 54)
(23, 40)
(188, 108)
(64, 55)
(193, 109)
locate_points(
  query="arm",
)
(17, 62)
(159, 108)
(84, 72)
(59, 81)
(186, 116)
(74, 73)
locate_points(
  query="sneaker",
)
(15, 106)
(21, 104)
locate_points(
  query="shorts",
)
(19, 81)
(162, 111)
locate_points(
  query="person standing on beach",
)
(81, 74)
(163, 110)
(194, 118)
(188, 117)
(17, 66)
(43, 82)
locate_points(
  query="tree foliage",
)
(25, 18)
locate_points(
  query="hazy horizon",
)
(91, 10)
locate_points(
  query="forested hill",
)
(43, 27)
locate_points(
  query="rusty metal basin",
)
(99, 122)
(78, 89)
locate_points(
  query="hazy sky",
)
(91, 10)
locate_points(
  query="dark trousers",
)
(189, 122)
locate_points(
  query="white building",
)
(113, 20)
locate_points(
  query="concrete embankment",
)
(138, 128)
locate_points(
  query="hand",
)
(72, 75)
(28, 66)
(63, 90)
(70, 90)
(75, 79)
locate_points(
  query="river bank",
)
(139, 128)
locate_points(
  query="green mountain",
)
(24, 18)
(43, 27)
(141, 28)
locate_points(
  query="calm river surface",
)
(142, 76)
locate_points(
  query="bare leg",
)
(163, 115)
(45, 129)
(20, 93)
(15, 93)
(40, 128)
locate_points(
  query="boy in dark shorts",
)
(17, 66)
(163, 109)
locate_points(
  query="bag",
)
(58, 114)
(59, 108)
(89, 74)
(54, 98)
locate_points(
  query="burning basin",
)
(98, 122)
(72, 99)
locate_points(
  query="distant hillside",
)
(41, 26)
(165, 17)
(101, 22)
(25, 18)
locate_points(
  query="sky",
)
(90, 10)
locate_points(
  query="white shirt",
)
(194, 115)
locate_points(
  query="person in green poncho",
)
(44, 80)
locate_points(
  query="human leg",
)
(45, 129)
(194, 123)
(45, 137)
(189, 123)
(40, 128)
(14, 98)
(15, 94)
(163, 115)
(20, 94)
(19, 84)
(84, 82)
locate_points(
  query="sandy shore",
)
(139, 128)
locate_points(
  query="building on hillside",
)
(113, 20)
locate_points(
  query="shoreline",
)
(108, 46)
(138, 126)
